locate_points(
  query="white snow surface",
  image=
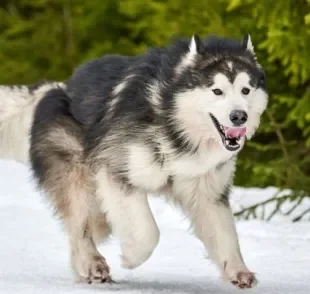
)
(34, 256)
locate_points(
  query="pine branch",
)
(298, 218)
(279, 135)
(295, 206)
(253, 207)
(276, 209)
(248, 211)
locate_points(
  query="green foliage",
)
(49, 38)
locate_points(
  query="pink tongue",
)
(235, 132)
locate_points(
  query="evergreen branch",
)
(279, 135)
(298, 218)
(276, 209)
(294, 207)
(250, 210)
(253, 207)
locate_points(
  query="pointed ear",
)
(195, 46)
(247, 43)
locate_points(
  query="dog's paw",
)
(244, 280)
(137, 251)
(125, 263)
(132, 257)
(96, 270)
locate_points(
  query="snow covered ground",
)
(34, 251)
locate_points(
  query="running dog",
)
(169, 122)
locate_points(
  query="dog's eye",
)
(217, 92)
(245, 91)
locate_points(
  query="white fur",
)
(120, 87)
(210, 183)
(197, 188)
(17, 106)
(197, 181)
(131, 220)
(212, 220)
(232, 98)
(193, 47)
(147, 174)
(249, 45)
(117, 91)
(143, 171)
(206, 159)
(154, 95)
(257, 106)
(194, 108)
(189, 58)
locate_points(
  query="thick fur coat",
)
(169, 122)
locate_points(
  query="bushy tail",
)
(17, 107)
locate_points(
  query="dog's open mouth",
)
(230, 135)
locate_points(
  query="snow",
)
(34, 250)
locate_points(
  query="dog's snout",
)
(238, 117)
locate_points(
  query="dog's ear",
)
(195, 46)
(247, 44)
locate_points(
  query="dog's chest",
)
(143, 170)
(198, 164)
(147, 173)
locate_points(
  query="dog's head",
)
(219, 92)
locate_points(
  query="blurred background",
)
(47, 39)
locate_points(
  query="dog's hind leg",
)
(57, 162)
(100, 227)
(81, 222)
(69, 187)
(130, 217)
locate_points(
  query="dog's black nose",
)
(238, 117)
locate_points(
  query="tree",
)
(49, 38)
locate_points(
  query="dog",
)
(168, 122)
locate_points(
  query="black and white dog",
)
(168, 122)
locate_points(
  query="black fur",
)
(52, 112)
(91, 93)
(125, 114)
(92, 84)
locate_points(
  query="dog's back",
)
(95, 84)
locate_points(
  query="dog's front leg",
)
(213, 223)
(130, 217)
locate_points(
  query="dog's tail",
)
(17, 107)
